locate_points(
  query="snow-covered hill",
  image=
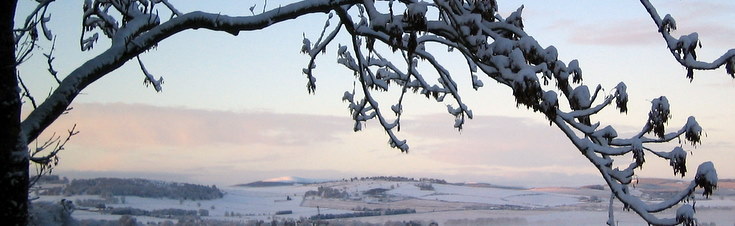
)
(446, 204)
(283, 181)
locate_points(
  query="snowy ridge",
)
(298, 180)
(283, 181)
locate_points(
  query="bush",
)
(48, 213)
(327, 192)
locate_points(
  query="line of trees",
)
(363, 213)
(400, 179)
(142, 188)
(327, 192)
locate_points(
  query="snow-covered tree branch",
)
(491, 44)
(500, 48)
(140, 30)
(684, 48)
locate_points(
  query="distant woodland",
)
(134, 187)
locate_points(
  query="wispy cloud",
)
(215, 146)
(136, 125)
(492, 140)
(134, 137)
(632, 32)
(710, 20)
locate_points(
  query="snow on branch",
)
(684, 48)
(314, 50)
(140, 30)
(27, 35)
(492, 45)
(149, 78)
(500, 48)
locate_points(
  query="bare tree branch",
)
(26, 92)
(46, 163)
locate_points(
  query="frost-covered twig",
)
(684, 48)
(368, 81)
(149, 78)
(26, 36)
(174, 11)
(45, 163)
(313, 51)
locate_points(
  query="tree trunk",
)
(13, 148)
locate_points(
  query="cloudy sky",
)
(235, 108)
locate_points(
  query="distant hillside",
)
(282, 181)
(265, 184)
(664, 188)
(288, 181)
(142, 188)
(488, 185)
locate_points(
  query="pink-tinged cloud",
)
(144, 139)
(618, 33)
(134, 126)
(144, 134)
(485, 140)
(710, 20)
(493, 140)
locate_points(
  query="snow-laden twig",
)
(684, 48)
(313, 51)
(145, 35)
(366, 78)
(149, 78)
(27, 35)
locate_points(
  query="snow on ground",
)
(263, 202)
(247, 203)
(541, 217)
(447, 204)
(498, 196)
(466, 194)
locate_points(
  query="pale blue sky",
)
(220, 91)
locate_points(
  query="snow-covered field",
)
(492, 196)
(446, 204)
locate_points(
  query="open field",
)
(445, 204)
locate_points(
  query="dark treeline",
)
(400, 179)
(327, 192)
(364, 213)
(142, 188)
(162, 213)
